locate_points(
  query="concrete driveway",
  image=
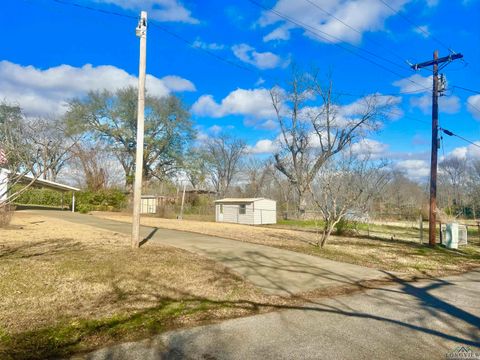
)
(275, 271)
(407, 321)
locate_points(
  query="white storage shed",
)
(250, 211)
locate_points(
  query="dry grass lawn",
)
(405, 256)
(67, 288)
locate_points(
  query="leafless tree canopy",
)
(314, 127)
(346, 186)
(223, 155)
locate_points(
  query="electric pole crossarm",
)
(437, 61)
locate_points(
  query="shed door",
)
(220, 212)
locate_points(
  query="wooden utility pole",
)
(434, 155)
(141, 32)
(432, 218)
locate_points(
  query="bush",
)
(346, 227)
(85, 201)
(46, 197)
(103, 200)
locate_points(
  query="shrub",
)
(103, 200)
(85, 201)
(346, 227)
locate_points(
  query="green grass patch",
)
(81, 335)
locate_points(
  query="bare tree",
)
(89, 160)
(50, 138)
(313, 127)
(223, 154)
(195, 167)
(452, 179)
(16, 155)
(345, 186)
(401, 197)
(256, 173)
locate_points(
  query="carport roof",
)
(51, 184)
(44, 183)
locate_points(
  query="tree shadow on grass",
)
(33, 249)
(171, 312)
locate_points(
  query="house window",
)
(221, 208)
(242, 210)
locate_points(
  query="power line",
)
(378, 43)
(315, 32)
(164, 29)
(466, 89)
(108, 12)
(208, 52)
(451, 133)
(419, 28)
(469, 90)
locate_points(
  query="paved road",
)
(275, 271)
(405, 321)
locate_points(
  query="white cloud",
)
(177, 83)
(360, 106)
(207, 46)
(280, 33)
(161, 10)
(215, 129)
(414, 169)
(470, 152)
(370, 147)
(251, 103)
(362, 15)
(446, 104)
(261, 60)
(264, 146)
(473, 105)
(256, 106)
(45, 92)
(422, 30)
(260, 124)
(260, 81)
(415, 83)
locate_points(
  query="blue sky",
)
(51, 52)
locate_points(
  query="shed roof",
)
(239, 200)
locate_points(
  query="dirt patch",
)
(405, 256)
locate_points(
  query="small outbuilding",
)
(250, 211)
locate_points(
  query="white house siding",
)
(3, 184)
(262, 211)
(265, 212)
(149, 205)
(231, 214)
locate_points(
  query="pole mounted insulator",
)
(141, 29)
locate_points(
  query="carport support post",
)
(73, 201)
(141, 32)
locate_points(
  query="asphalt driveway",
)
(425, 320)
(275, 271)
